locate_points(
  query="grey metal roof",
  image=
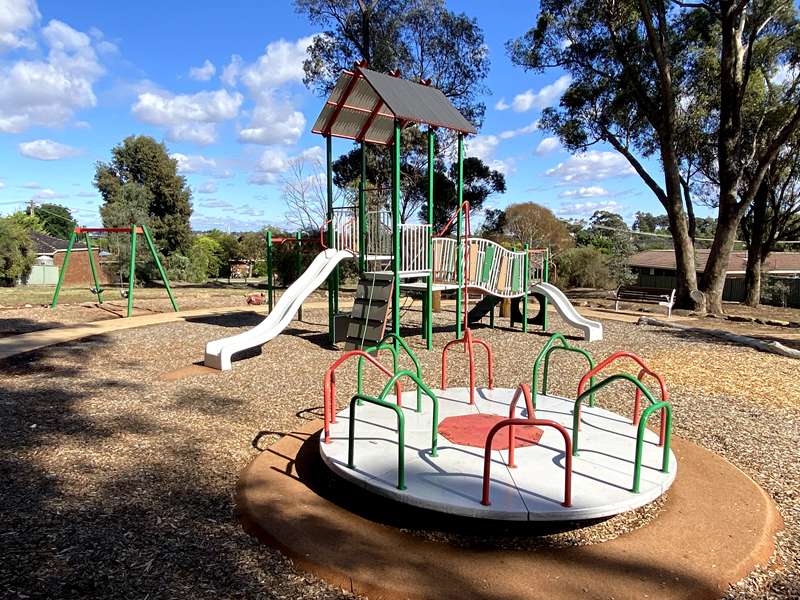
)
(364, 104)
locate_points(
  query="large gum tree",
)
(634, 64)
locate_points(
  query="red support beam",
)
(79, 230)
(340, 104)
(374, 113)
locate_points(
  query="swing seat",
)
(96, 291)
(123, 293)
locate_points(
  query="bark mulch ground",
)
(117, 483)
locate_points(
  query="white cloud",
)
(47, 150)
(274, 161)
(2, 185)
(230, 74)
(545, 97)
(16, 18)
(85, 194)
(273, 122)
(203, 73)
(281, 62)
(275, 119)
(209, 187)
(585, 209)
(512, 133)
(482, 146)
(214, 203)
(502, 104)
(48, 93)
(188, 117)
(46, 194)
(585, 192)
(547, 145)
(194, 163)
(592, 165)
(31, 185)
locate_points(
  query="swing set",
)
(133, 231)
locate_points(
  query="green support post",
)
(362, 213)
(396, 230)
(299, 258)
(149, 240)
(63, 270)
(525, 287)
(459, 236)
(97, 289)
(332, 291)
(132, 270)
(270, 297)
(427, 315)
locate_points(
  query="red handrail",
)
(524, 390)
(645, 370)
(329, 386)
(487, 455)
(468, 341)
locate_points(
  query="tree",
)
(533, 224)
(303, 191)
(480, 182)
(17, 252)
(56, 220)
(29, 222)
(773, 217)
(420, 38)
(142, 161)
(631, 63)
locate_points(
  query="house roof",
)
(47, 244)
(778, 262)
(364, 105)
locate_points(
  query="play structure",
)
(373, 108)
(134, 231)
(518, 454)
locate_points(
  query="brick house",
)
(50, 253)
(656, 269)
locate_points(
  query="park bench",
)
(643, 295)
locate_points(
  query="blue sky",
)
(221, 85)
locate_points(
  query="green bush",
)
(584, 266)
(775, 292)
(17, 252)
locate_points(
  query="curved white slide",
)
(592, 330)
(219, 352)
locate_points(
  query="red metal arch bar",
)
(487, 455)
(468, 342)
(329, 386)
(523, 390)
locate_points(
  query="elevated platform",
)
(602, 473)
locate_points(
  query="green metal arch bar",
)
(576, 412)
(568, 348)
(377, 348)
(384, 345)
(427, 391)
(401, 435)
(556, 337)
(637, 467)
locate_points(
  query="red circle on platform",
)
(471, 430)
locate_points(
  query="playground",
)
(394, 449)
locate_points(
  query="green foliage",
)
(420, 38)
(583, 267)
(230, 250)
(27, 221)
(141, 161)
(208, 251)
(775, 292)
(56, 220)
(17, 252)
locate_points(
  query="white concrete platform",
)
(452, 482)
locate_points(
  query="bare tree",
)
(305, 194)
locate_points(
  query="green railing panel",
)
(488, 259)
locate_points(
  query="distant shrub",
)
(584, 266)
(775, 292)
(17, 252)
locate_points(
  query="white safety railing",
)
(345, 229)
(414, 240)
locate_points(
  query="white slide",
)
(219, 352)
(592, 330)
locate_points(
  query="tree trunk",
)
(717, 265)
(756, 250)
(752, 278)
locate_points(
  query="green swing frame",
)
(133, 231)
